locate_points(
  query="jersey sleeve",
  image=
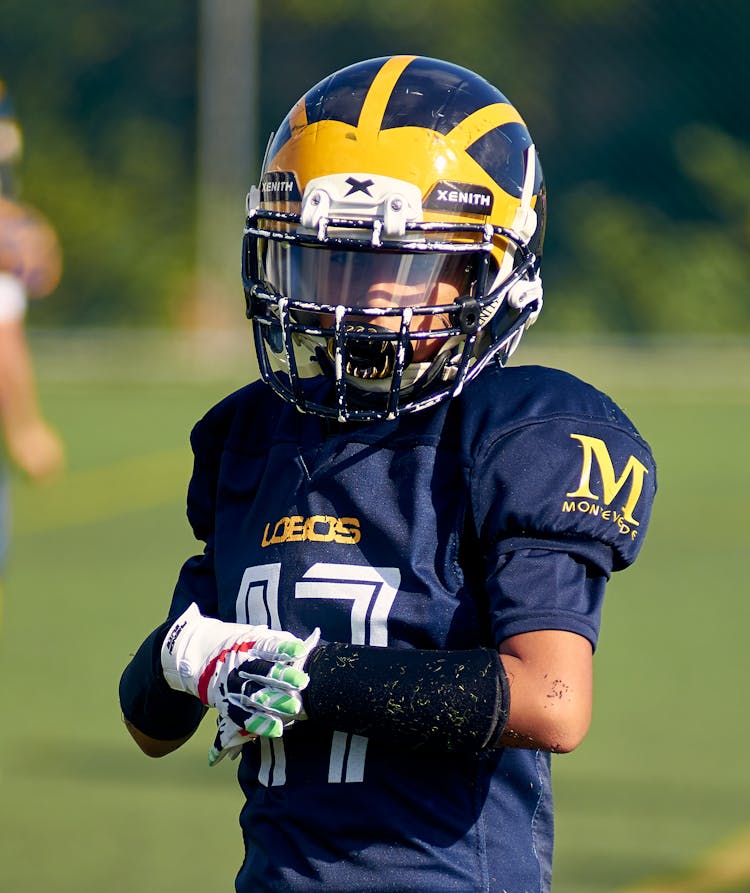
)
(532, 588)
(196, 581)
(559, 504)
(145, 698)
(572, 484)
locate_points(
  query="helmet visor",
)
(356, 278)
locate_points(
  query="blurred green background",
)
(144, 123)
(639, 109)
(659, 783)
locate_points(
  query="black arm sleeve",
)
(443, 701)
(148, 703)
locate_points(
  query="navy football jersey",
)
(499, 512)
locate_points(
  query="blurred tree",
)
(106, 94)
(634, 105)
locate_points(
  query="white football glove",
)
(200, 654)
(262, 699)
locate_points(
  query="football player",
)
(406, 544)
(30, 266)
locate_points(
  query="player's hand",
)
(36, 450)
(200, 654)
(262, 699)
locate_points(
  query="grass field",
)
(657, 800)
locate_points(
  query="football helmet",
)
(392, 246)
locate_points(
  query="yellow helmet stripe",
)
(482, 121)
(298, 116)
(379, 93)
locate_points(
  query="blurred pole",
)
(227, 127)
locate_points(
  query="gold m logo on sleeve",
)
(635, 471)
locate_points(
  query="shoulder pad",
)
(570, 471)
(208, 440)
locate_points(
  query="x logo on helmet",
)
(359, 186)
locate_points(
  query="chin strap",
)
(525, 292)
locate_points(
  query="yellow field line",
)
(723, 868)
(96, 494)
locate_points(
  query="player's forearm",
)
(445, 701)
(158, 718)
(154, 747)
(536, 694)
(19, 405)
(550, 691)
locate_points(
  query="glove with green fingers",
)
(200, 654)
(262, 699)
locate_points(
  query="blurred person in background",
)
(30, 267)
(407, 542)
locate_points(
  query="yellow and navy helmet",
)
(392, 246)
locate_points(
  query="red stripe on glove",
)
(208, 672)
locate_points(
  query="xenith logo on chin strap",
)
(583, 499)
(279, 186)
(459, 198)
